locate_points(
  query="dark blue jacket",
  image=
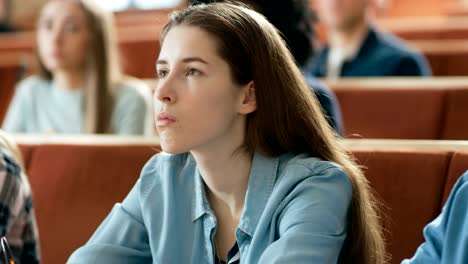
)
(381, 54)
(328, 101)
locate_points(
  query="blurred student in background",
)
(356, 48)
(79, 88)
(295, 19)
(5, 26)
(17, 219)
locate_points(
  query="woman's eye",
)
(71, 28)
(161, 74)
(193, 72)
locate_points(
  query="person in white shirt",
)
(79, 88)
(357, 48)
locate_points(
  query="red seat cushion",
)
(410, 185)
(456, 125)
(75, 186)
(392, 113)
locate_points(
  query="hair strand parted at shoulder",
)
(288, 118)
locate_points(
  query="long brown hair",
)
(102, 68)
(288, 117)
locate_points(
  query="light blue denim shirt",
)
(296, 211)
(447, 236)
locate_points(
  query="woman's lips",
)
(165, 119)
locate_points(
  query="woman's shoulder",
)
(295, 169)
(460, 189)
(303, 179)
(31, 89)
(32, 84)
(308, 163)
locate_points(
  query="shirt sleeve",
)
(446, 238)
(121, 238)
(313, 224)
(133, 115)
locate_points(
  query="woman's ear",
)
(249, 101)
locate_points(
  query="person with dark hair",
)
(251, 172)
(79, 88)
(295, 19)
(356, 47)
(5, 10)
(447, 236)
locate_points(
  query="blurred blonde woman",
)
(17, 219)
(79, 88)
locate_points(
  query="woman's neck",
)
(225, 168)
(69, 80)
(226, 177)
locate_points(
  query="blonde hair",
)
(9, 144)
(103, 70)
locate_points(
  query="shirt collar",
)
(200, 202)
(261, 182)
(260, 186)
(370, 41)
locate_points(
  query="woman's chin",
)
(172, 148)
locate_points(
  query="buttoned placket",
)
(210, 225)
(243, 241)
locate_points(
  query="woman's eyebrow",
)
(185, 60)
(194, 59)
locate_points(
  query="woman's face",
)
(342, 14)
(198, 105)
(63, 36)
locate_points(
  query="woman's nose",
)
(165, 91)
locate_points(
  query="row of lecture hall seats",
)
(424, 28)
(72, 197)
(404, 108)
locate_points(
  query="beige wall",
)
(405, 8)
(24, 12)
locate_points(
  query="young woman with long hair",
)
(251, 171)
